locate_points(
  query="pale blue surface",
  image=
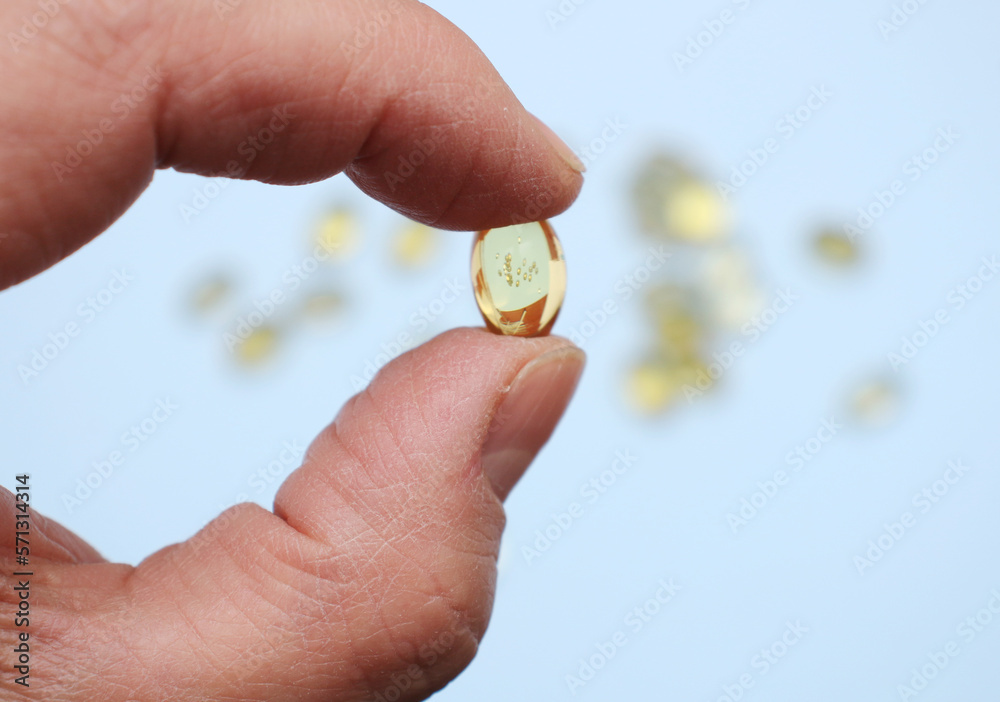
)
(666, 516)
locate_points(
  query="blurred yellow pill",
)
(257, 348)
(835, 248)
(414, 245)
(338, 234)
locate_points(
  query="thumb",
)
(374, 575)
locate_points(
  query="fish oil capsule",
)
(259, 347)
(875, 403)
(414, 245)
(674, 204)
(337, 234)
(519, 278)
(835, 248)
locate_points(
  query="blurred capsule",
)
(875, 403)
(651, 387)
(414, 245)
(678, 328)
(835, 248)
(681, 335)
(338, 234)
(665, 298)
(696, 213)
(322, 305)
(209, 294)
(259, 347)
(673, 203)
(657, 384)
(652, 189)
(733, 294)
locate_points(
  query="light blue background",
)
(666, 516)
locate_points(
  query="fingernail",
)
(528, 415)
(561, 147)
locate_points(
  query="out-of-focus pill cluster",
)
(311, 295)
(709, 295)
(706, 291)
(705, 297)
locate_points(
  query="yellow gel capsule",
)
(875, 403)
(211, 293)
(519, 278)
(414, 245)
(835, 248)
(260, 346)
(337, 234)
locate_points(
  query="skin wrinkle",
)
(254, 560)
(254, 573)
(369, 439)
(123, 652)
(120, 31)
(337, 561)
(340, 490)
(397, 442)
(427, 424)
(318, 601)
(374, 402)
(385, 543)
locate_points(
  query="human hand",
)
(374, 575)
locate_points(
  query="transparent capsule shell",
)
(519, 278)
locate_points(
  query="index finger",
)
(282, 92)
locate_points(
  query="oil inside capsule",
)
(519, 278)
